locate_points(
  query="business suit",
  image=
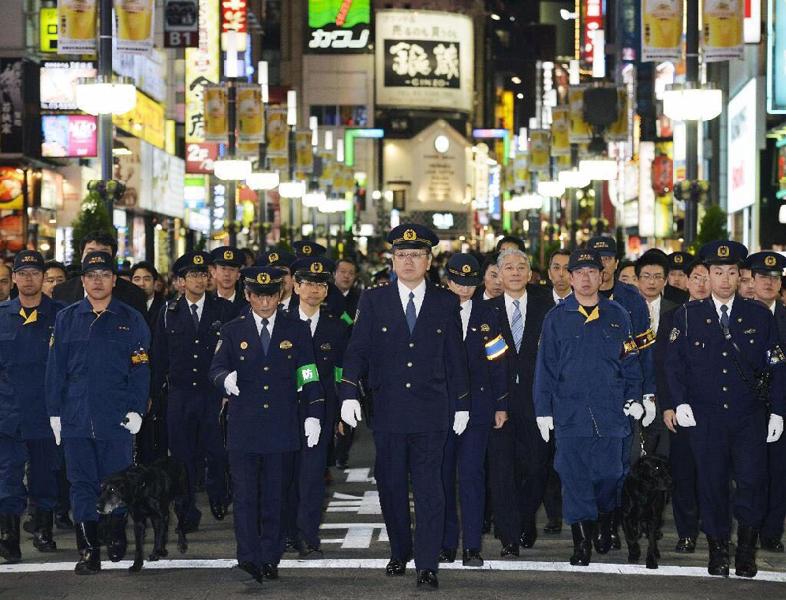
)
(72, 291)
(518, 456)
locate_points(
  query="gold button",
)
(196, 355)
(408, 385)
(725, 389)
(266, 388)
(439, 331)
(751, 341)
(194, 384)
(384, 329)
(409, 364)
(725, 371)
(242, 358)
(194, 370)
(724, 353)
(725, 406)
(481, 388)
(265, 406)
(196, 341)
(412, 344)
(695, 343)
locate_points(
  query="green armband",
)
(346, 318)
(307, 374)
(338, 373)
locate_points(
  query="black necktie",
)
(195, 316)
(724, 320)
(264, 336)
(308, 322)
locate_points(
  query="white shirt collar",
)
(718, 305)
(772, 306)
(510, 309)
(258, 322)
(230, 298)
(419, 292)
(557, 297)
(305, 317)
(149, 302)
(466, 311)
(486, 296)
(285, 303)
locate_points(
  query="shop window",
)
(340, 116)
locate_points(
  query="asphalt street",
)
(355, 552)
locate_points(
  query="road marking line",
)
(379, 563)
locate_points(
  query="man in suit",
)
(466, 454)
(225, 270)
(767, 268)
(684, 498)
(185, 339)
(717, 347)
(72, 290)
(264, 363)
(518, 456)
(144, 275)
(406, 342)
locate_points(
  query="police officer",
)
(26, 325)
(466, 454)
(684, 500)
(265, 363)
(97, 386)
(717, 349)
(676, 289)
(407, 342)
(329, 336)
(183, 345)
(629, 298)
(281, 259)
(767, 268)
(225, 265)
(335, 302)
(587, 383)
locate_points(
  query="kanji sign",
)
(234, 19)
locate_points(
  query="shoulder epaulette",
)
(172, 305)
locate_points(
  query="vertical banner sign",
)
(215, 113)
(134, 20)
(743, 167)
(776, 58)
(629, 29)
(646, 193)
(580, 131)
(277, 132)
(661, 30)
(338, 26)
(201, 69)
(76, 26)
(592, 21)
(250, 124)
(234, 19)
(181, 24)
(328, 168)
(304, 153)
(520, 170)
(560, 131)
(12, 105)
(723, 29)
(539, 151)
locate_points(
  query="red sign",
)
(234, 16)
(69, 136)
(592, 22)
(200, 157)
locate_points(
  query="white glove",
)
(350, 412)
(132, 422)
(460, 421)
(54, 423)
(775, 428)
(312, 429)
(545, 424)
(650, 410)
(685, 416)
(230, 384)
(633, 409)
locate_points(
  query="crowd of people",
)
(489, 392)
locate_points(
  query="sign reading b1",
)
(181, 24)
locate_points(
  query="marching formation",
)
(487, 397)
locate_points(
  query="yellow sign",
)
(201, 67)
(250, 124)
(216, 117)
(504, 110)
(145, 121)
(723, 29)
(134, 20)
(618, 132)
(48, 29)
(77, 26)
(580, 131)
(560, 131)
(539, 151)
(277, 132)
(304, 152)
(661, 30)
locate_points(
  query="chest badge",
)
(285, 345)
(325, 347)
(243, 345)
(485, 327)
(749, 331)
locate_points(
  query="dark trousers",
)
(730, 448)
(258, 486)
(590, 469)
(465, 454)
(194, 433)
(401, 456)
(552, 496)
(684, 496)
(152, 440)
(343, 444)
(776, 505)
(88, 462)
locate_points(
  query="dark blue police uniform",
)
(264, 421)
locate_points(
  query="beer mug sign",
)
(134, 21)
(661, 29)
(76, 21)
(251, 126)
(723, 29)
(216, 120)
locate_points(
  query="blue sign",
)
(776, 58)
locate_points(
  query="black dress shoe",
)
(310, 551)
(251, 569)
(63, 521)
(395, 567)
(428, 579)
(509, 550)
(553, 526)
(293, 545)
(686, 545)
(447, 556)
(528, 537)
(270, 571)
(219, 509)
(472, 558)
(718, 563)
(771, 544)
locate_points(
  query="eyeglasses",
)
(196, 275)
(98, 275)
(651, 277)
(409, 255)
(314, 285)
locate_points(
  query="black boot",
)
(616, 519)
(87, 542)
(745, 557)
(42, 538)
(603, 536)
(719, 557)
(583, 533)
(9, 538)
(116, 542)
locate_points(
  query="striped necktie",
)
(517, 325)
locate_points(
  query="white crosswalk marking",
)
(359, 535)
(360, 476)
(367, 504)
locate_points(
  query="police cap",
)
(317, 268)
(411, 235)
(228, 256)
(264, 281)
(723, 252)
(584, 257)
(28, 259)
(464, 269)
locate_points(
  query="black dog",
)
(148, 492)
(645, 494)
